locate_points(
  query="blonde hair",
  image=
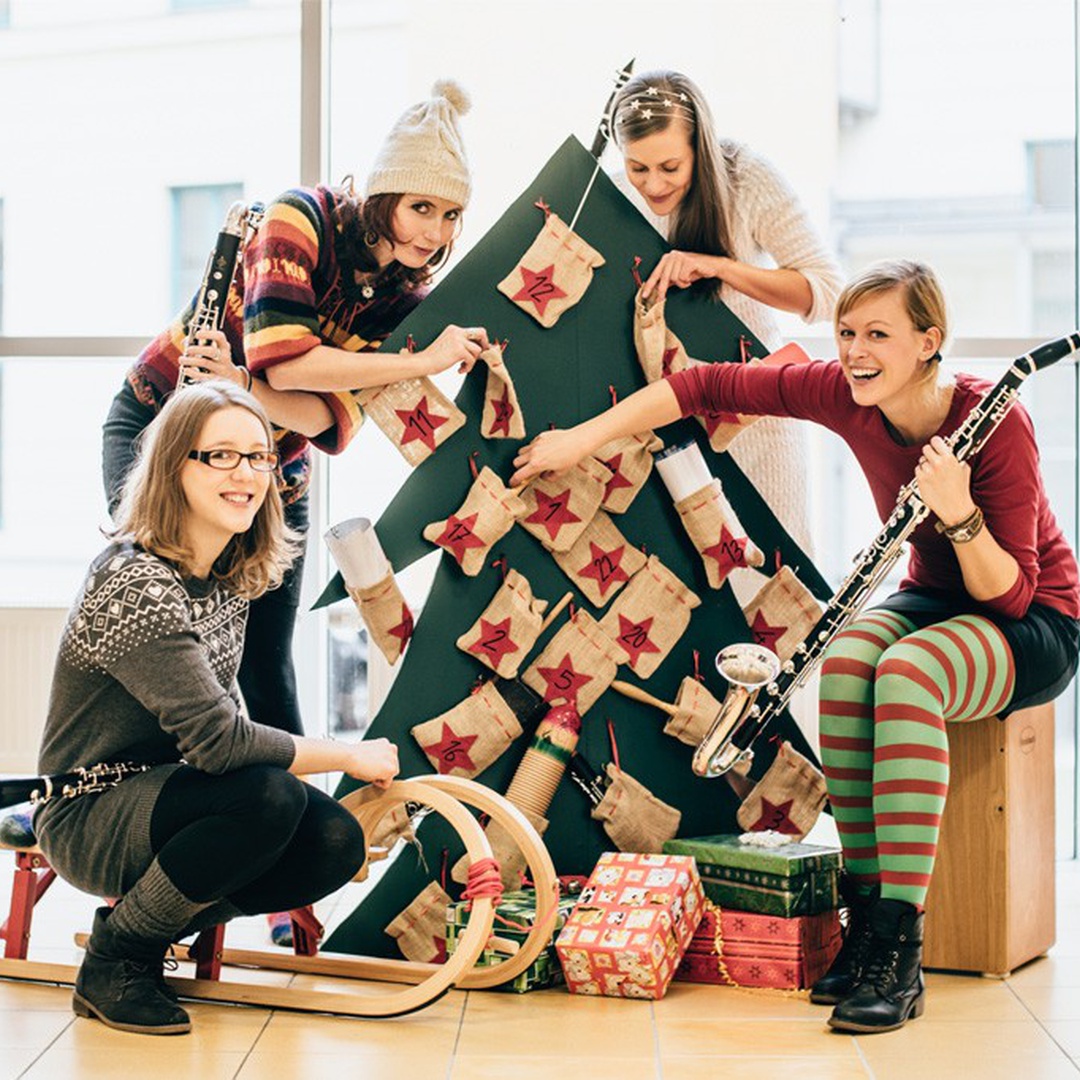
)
(153, 509)
(920, 290)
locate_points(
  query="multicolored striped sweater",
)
(293, 291)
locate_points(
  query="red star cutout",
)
(668, 359)
(539, 287)
(504, 411)
(634, 637)
(563, 682)
(451, 751)
(764, 634)
(776, 817)
(404, 628)
(420, 423)
(617, 479)
(727, 551)
(605, 566)
(458, 536)
(714, 419)
(552, 511)
(494, 641)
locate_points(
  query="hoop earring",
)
(371, 238)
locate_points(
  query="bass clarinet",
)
(241, 220)
(760, 686)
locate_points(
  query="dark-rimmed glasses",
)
(259, 460)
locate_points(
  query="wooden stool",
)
(33, 876)
(990, 907)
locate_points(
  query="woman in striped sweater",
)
(984, 623)
(328, 276)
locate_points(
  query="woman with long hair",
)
(211, 821)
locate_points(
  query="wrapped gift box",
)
(748, 949)
(516, 910)
(632, 925)
(793, 879)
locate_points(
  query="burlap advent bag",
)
(558, 509)
(504, 851)
(788, 799)
(420, 929)
(553, 274)
(630, 461)
(387, 617)
(782, 613)
(577, 664)
(716, 532)
(659, 351)
(601, 561)
(508, 628)
(649, 616)
(414, 414)
(634, 818)
(502, 417)
(466, 739)
(696, 709)
(485, 517)
(393, 826)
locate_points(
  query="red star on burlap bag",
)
(728, 552)
(617, 479)
(604, 566)
(458, 536)
(563, 682)
(420, 424)
(552, 511)
(404, 629)
(764, 633)
(668, 359)
(777, 818)
(504, 413)
(451, 751)
(539, 288)
(714, 419)
(634, 637)
(494, 641)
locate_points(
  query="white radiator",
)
(28, 640)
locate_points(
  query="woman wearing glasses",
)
(218, 823)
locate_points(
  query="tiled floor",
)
(1027, 1026)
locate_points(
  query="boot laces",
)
(881, 971)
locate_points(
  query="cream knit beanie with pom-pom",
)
(423, 154)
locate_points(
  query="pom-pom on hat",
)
(423, 154)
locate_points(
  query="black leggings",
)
(258, 837)
(266, 677)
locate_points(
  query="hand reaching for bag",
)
(455, 345)
(375, 760)
(550, 452)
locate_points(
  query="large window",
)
(197, 215)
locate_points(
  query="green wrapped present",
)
(789, 880)
(518, 907)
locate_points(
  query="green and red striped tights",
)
(887, 692)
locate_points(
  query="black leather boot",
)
(120, 983)
(892, 989)
(846, 970)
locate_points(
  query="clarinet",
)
(730, 739)
(209, 314)
(83, 781)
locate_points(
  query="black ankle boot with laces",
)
(846, 970)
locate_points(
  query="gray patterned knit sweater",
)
(146, 672)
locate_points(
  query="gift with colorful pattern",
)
(632, 925)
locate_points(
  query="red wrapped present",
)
(743, 948)
(631, 926)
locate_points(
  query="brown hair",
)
(361, 224)
(701, 219)
(920, 290)
(153, 510)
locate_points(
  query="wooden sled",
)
(425, 982)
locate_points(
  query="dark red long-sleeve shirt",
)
(1006, 482)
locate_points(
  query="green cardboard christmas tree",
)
(562, 374)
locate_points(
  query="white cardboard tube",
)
(357, 552)
(683, 470)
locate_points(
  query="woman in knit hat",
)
(326, 279)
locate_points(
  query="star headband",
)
(653, 102)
